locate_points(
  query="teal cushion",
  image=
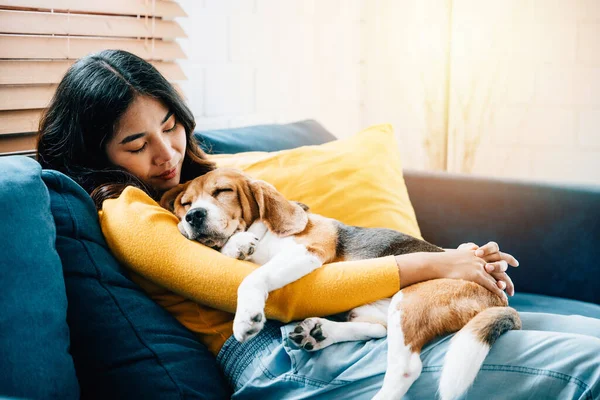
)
(34, 337)
(554, 305)
(263, 137)
(124, 345)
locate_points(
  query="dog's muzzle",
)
(200, 231)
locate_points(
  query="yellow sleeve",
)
(145, 238)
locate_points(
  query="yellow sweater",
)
(198, 285)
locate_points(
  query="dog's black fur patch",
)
(356, 243)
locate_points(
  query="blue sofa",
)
(75, 326)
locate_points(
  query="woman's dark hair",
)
(82, 116)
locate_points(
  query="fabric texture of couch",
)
(72, 319)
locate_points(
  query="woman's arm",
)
(145, 238)
(462, 263)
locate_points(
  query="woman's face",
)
(149, 143)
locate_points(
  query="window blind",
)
(40, 39)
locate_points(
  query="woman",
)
(116, 122)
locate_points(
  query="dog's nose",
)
(196, 216)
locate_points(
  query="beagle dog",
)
(250, 220)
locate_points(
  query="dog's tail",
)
(469, 347)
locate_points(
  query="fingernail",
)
(479, 253)
(517, 263)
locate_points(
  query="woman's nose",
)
(165, 152)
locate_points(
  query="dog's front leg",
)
(241, 245)
(290, 264)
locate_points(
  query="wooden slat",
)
(19, 97)
(18, 144)
(170, 70)
(19, 121)
(45, 47)
(15, 72)
(159, 8)
(25, 97)
(19, 22)
(32, 72)
(27, 153)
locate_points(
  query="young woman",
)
(120, 130)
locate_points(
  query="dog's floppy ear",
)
(304, 206)
(282, 217)
(167, 200)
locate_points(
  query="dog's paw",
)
(240, 246)
(311, 334)
(248, 322)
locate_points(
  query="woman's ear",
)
(282, 217)
(167, 200)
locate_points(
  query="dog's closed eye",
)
(222, 190)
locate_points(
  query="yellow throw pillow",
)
(357, 180)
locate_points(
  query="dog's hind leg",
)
(314, 334)
(376, 312)
(404, 363)
(363, 323)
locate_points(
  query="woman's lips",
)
(170, 174)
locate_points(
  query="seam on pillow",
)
(57, 182)
(108, 291)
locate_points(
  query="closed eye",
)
(172, 129)
(219, 191)
(186, 204)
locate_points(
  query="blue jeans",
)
(552, 357)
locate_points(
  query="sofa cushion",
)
(263, 137)
(124, 345)
(34, 340)
(551, 228)
(367, 191)
(547, 304)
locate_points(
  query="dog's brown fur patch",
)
(441, 306)
(319, 237)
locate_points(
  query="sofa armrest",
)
(552, 229)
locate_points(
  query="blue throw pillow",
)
(263, 137)
(124, 345)
(34, 337)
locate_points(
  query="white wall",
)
(508, 88)
(405, 75)
(535, 69)
(265, 61)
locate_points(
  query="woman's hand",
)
(452, 264)
(497, 263)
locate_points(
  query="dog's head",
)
(222, 202)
